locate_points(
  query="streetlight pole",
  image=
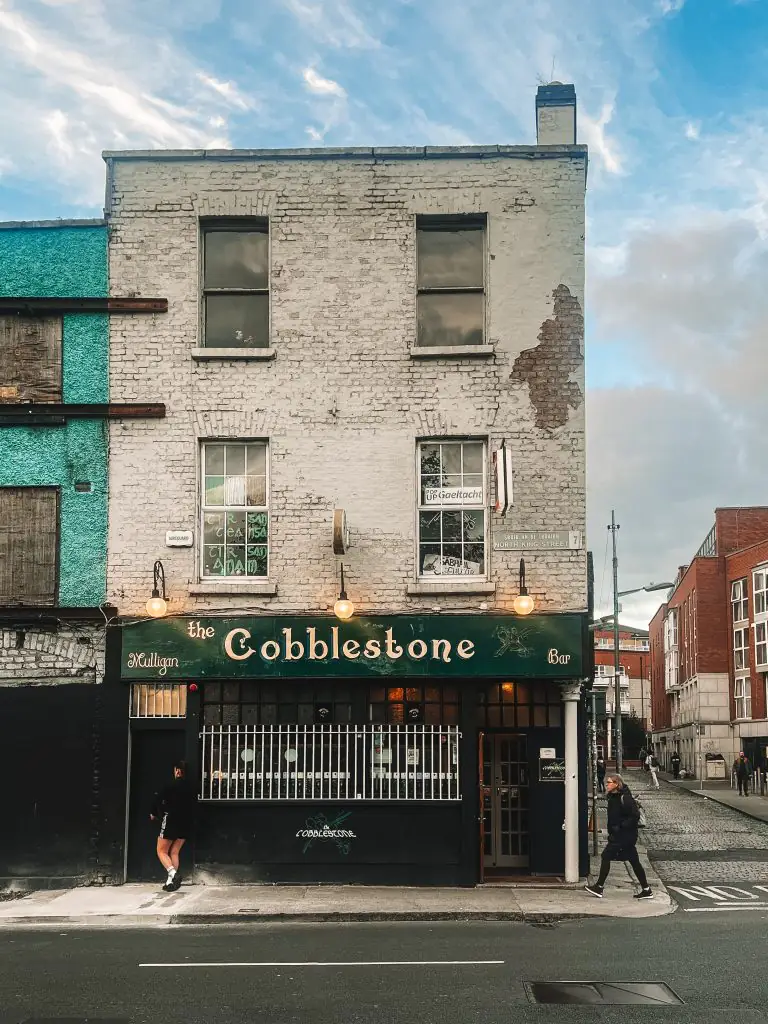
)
(618, 738)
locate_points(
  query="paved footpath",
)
(710, 851)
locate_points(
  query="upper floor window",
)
(452, 508)
(760, 588)
(236, 283)
(743, 697)
(235, 509)
(739, 601)
(451, 280)
(670, 630)
(30, 359)
(740, 648)
(29, 524)
(761, 643)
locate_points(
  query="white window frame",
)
(483, 505)
(741, 648)
(245, 577)
(739, 601)
(760, 575)
(761, 644)
(742, 693)
(671, 666)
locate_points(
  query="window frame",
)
(55, 490)
(761, 614)
(740, 648)
(742, 700)
(224, 578)
(484, 507)
(761, 641)
(236, 225)
(739, 601)
(447, 223)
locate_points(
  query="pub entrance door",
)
(504, 792)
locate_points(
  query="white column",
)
(571, 694)
(609, 725)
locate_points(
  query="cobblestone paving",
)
(680, 822)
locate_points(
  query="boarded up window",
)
(30, 359)
(28, 545)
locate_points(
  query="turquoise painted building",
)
(63, 259)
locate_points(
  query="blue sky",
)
(672, 101)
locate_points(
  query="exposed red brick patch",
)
(546, 369)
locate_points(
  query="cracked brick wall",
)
(36, 657)
(343, 402)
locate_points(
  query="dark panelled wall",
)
(63, 759)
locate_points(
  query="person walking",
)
(175, 807)
(743, 770)
(623, 818)
(600, 775)
(676, 765)
(653, 767)
(643, 758)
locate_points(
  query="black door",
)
(153, 753)
(504, 796)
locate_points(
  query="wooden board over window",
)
(29, 519)
(30, 359)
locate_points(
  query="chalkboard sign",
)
(552, 769)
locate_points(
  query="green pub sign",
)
(286, 647)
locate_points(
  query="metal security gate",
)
(504, 794)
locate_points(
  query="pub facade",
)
(349, 562)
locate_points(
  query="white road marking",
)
(727, 906)
(340, 963)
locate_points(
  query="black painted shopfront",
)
(391, 750)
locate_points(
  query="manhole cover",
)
(601, 992)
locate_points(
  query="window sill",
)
(264, 589)
(451, 351)
(435, 589)
(242, 354)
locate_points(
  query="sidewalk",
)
(753, 806)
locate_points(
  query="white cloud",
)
(693, 129)
(228, 90)
(670, 6)
(332, 23)
(322, 86)
(593, 131)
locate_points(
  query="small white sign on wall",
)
(179, 538)
(547, 752)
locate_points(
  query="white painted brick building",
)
(342, 393)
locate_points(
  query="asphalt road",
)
(708, 960)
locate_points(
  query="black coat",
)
(623, 816)
(179, 800)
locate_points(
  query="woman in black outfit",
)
(623, 816)
(175, 807)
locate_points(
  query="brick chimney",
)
(556, 115)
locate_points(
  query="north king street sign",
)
(286, 647)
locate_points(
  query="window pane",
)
(213, 528)
(236, 560)
(451, 454)
(256, 490)
(234, 492)
(429, 526)
(213, 560)
(257, 527)
(473, 458)
(450, 319)
(451, 526)
(257, 459)
(235, 528)
(257, 561)
(237, 321)
(236, 259)
(429, 559)
(473, 524)
(214, 490)
(214, 460)
(450, 259)
(235, 460)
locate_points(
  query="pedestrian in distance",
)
(175, 808)
(643, 756)
(653, 767)
(600, 775)
(742, 769)
(676, 765)
(623, 820)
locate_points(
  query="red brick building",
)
(634, 679)
(709, 647)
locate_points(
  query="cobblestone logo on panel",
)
(319, 828)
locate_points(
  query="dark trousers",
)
(743, 782)
(629, 853)
(601, 783)
(676, 770)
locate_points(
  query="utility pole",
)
(616, 654)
